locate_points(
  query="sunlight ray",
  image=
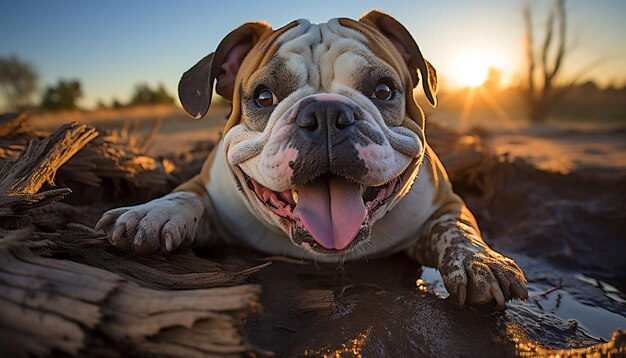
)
(493, 103)
(468, 105)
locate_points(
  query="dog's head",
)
(324, 135)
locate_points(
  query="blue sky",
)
(113, 45)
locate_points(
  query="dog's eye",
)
(266, 98)
(383, 92)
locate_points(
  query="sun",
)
(470, 69)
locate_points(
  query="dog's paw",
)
(480, 277)
(162, 224)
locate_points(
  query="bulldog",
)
(323, 158)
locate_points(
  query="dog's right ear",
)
(196, 85)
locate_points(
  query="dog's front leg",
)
(472, 272)
(177, 219)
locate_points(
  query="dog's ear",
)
(196, 85)
(404, 42)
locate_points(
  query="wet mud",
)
(383, 308)
(564, 230)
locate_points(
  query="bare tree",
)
(544, 65)
(18, 82)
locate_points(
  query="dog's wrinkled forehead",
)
(311, 50)
(318, 54)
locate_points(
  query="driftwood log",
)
(67, 293)
(51, 306)
(21, 179)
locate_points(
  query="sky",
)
(111, 46)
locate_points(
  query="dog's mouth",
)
(329, 214)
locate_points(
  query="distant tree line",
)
(62, 96)
(143, 95)
(19, 82)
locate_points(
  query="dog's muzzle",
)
(330, 207)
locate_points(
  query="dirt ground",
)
(558, 210)
(565, 150)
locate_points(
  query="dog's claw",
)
(517, 290)
(168, 242)
(139, 238)
(109, 219)
(523, 285)
(117, 234)
(496, 292)
(105, 221)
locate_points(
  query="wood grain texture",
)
(65, 291)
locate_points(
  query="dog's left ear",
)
(404, 42)
(195, 88)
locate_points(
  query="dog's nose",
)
(325, 118)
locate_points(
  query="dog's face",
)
(325, 135)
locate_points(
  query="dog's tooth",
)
(294, 195)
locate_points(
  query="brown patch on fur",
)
(384, 49)
(265, 49)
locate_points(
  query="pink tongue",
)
(332, 211)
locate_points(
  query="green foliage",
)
(63, 96)
(18, 83)
(144, 95)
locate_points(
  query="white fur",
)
(158, 225)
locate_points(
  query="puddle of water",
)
(610, 291)
(433, 281)
(594, 321)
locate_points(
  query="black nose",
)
(326, 134)
(325, 120)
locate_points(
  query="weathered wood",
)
(112, 158)
(66, 307)
(21, 201)
(39, 162)
(22, 178)
(13, 123)
(315, 300)
(118, 155)
(63, 305)
(69, 293)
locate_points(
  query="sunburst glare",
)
(472, 67)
